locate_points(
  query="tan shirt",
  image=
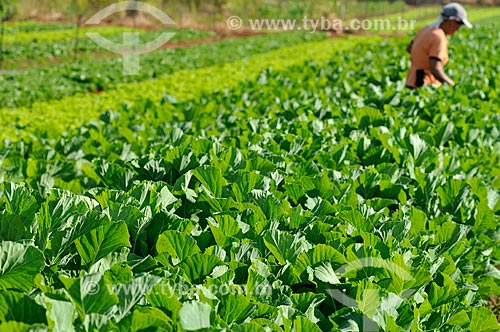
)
(430, 42)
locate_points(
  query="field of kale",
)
(282, 182)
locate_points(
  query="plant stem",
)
(2, 33)
(77, 36)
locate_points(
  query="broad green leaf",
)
(235, 308)
(197, 267)
(223, 228)
(485, 218)
(11, 228)
(439, 295)
(295, 191)
(98, 322)
(285, 247)
(115, 176)
(155, 195)
(244, 184)
(130, 294)
(195, 316)
(253, 326)
(368, 298)
(213, 204)
(90, 294)
(320, 207)
(13, 326)
(177, 244)
(483, 320)
(302, 324)
(397, 276)
(211, 178)
(145, 319)
(181, 157)
(326, 273)
(305, 302)
(227, 160)
(60, 212)
(356, 219)
(7, 298)
(119, 273)
(258, 286)
(119, 211)
(20, 201)
(444, 133)
(460, 319)
(389, 309)
(165, 297)
(19, 307)
(102, 241)
(74, 229)
(418, 148)
(182, 187)
(105, 196)
(320, 253)
(391, 325)
(452, 194)
(258, 163)
(60, 315)
(19, 265)
(270, 206)
(299, 217)
(418, 221)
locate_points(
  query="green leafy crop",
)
(310, 196)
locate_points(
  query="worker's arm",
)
(436, 68)
(409, 47)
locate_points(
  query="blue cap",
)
(455, 11)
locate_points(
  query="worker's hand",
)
(436, 68)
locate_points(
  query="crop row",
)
(174, 66)
(17, 54)
(40, 85)
(45, 36)
(34, 26)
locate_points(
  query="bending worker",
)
(429, 48)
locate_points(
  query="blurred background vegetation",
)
(189, 11)
(209, 13)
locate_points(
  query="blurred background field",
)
(195, 12)
(183, 11)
